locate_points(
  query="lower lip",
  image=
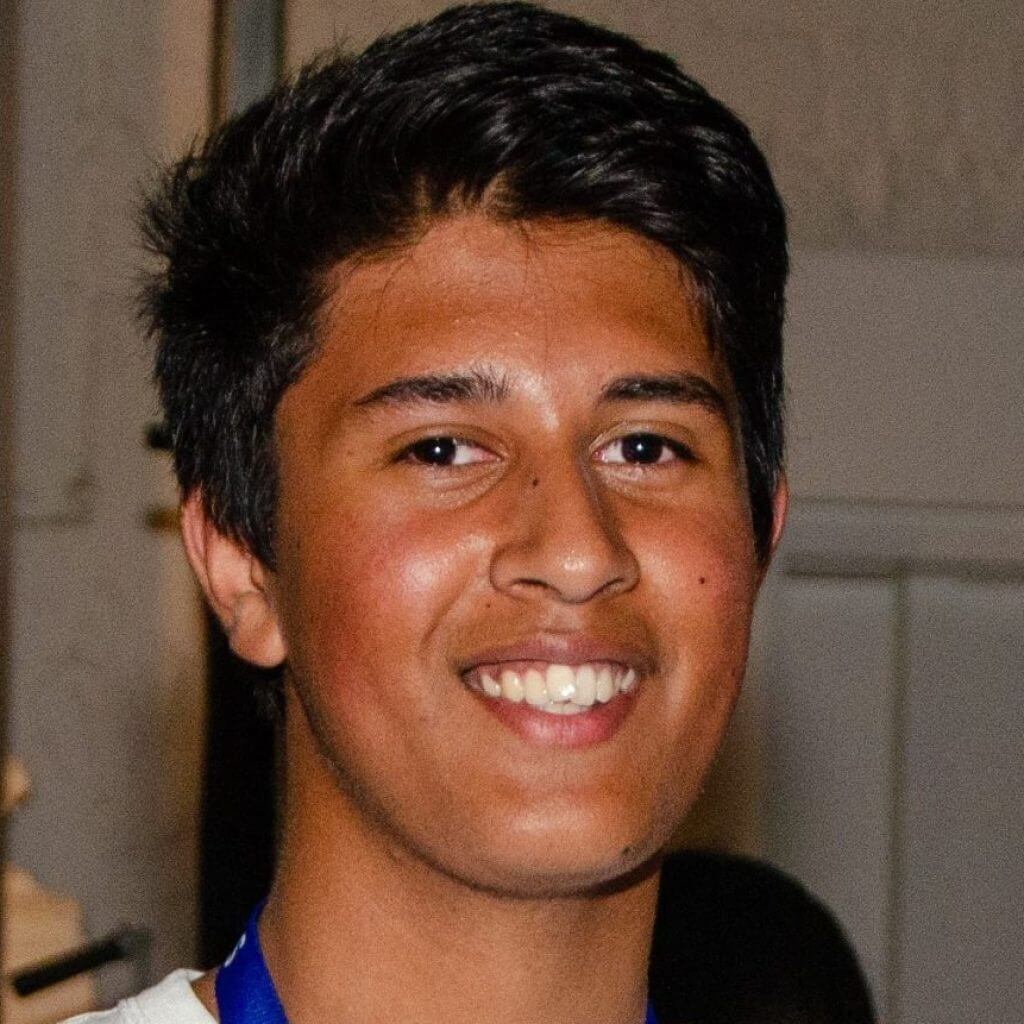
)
(597, 725)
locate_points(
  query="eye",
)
(644, 450)
(444, 451)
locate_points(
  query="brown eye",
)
(433, 451)
(443, 452)
(644, 449)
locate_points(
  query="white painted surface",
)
(57, 293)
(892, 717)
(106, 690)
(884, 539)
(962, 908)
(906, 379)
(828, 752)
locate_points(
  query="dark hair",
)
(524, 111)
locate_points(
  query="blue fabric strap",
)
(245, 991)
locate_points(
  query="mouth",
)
(552, 688)
(559, 690)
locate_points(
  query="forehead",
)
(537, 298)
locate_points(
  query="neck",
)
(359, 929)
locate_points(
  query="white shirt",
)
(170, 1002)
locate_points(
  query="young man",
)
(470, 351)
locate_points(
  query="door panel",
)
(828, 741)
(962, 897)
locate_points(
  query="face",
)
(515, 559)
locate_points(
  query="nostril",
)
(565, 541)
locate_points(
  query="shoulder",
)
(738, 940)
(172, 1001)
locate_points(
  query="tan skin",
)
(437, 866)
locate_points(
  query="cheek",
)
(701, 577)
(701, 568)
(370, 589)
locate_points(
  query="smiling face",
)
(515, 560)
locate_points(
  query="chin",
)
(562, 863)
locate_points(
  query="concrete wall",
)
(105, 700)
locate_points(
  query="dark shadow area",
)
(238, 816)
(738, 942)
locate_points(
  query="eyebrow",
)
(485, 386)
(475, 386)
(674, 388)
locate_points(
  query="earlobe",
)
(236, 585)
(780, 508)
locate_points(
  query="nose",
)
(562, 540)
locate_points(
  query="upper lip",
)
(562, 649)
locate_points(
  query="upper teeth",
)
(559, 689)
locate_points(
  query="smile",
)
(553, 688)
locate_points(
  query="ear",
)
(237, 587)
(780, 506)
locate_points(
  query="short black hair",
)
(524, 112)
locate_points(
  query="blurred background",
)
(877, 753)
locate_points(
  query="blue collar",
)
(245, 991)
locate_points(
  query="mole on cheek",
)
(535, 481)
(702, 580)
